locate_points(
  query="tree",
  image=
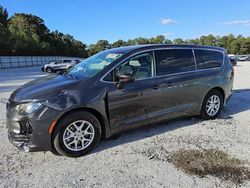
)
(119, 43)
(160, 39)
(192, 41)
(4, 40)
(99, 46)
(245, 47)
(4, 33)
(28, 34)
(178, 41)
(208, 40)
(66, 45)
(140, 40)
(3, 16)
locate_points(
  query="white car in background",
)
(60, 65)
(243, 58)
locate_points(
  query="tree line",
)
(26, 34)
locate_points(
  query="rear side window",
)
(66, 61)
(208, 59)
(174, 61)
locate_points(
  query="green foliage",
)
(26, 34)
(4, 40)
(119, 43)
(3, 16)
(178, 41)
(233, 44)
(99, 46)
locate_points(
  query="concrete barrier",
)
(27, 61)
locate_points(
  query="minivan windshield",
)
(94, 64)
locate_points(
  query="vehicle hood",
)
(43, 88)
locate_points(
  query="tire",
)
(72, 142)
(210, 108)
(49, 70)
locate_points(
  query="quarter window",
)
(174, 61)
(208, 59)
(109, 77)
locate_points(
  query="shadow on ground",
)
(239, 102)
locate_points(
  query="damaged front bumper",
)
(31, 132)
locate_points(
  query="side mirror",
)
(124, 79)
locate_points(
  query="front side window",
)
(94, 64)
(208, 59)
(58, 62)
(173, 61)
(139, 66)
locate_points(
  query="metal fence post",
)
(25, 60)
(18, 61)
(10, 62)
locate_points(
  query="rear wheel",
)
(77, 134)
(212, 105)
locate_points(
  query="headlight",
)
(29, 107)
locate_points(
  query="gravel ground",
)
(138, 158)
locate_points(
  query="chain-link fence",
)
(26, 61)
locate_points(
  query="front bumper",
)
(30, 133)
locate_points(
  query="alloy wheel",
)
(78, 135)
(213, 105)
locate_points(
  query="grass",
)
(211, 162)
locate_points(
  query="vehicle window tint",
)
(109, 77)
(66, 61)
(58, 62)
(139, 66)
(208, 59)
(174, 61)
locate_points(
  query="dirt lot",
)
(137, 158)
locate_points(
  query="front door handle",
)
(168, 84)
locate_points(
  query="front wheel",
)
(49, 70)
(77, 134)
(212, 105)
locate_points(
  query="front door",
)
(130, 105)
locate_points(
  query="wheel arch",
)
(99, 116)
(221, 90)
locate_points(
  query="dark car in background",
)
(116, 90)
(60, 65)
(233, 61)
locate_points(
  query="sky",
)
(92, 20)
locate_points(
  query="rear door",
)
(65, 64)
(210, 70)
(130, 105)
(177, 69)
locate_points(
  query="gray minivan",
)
(115, 90)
